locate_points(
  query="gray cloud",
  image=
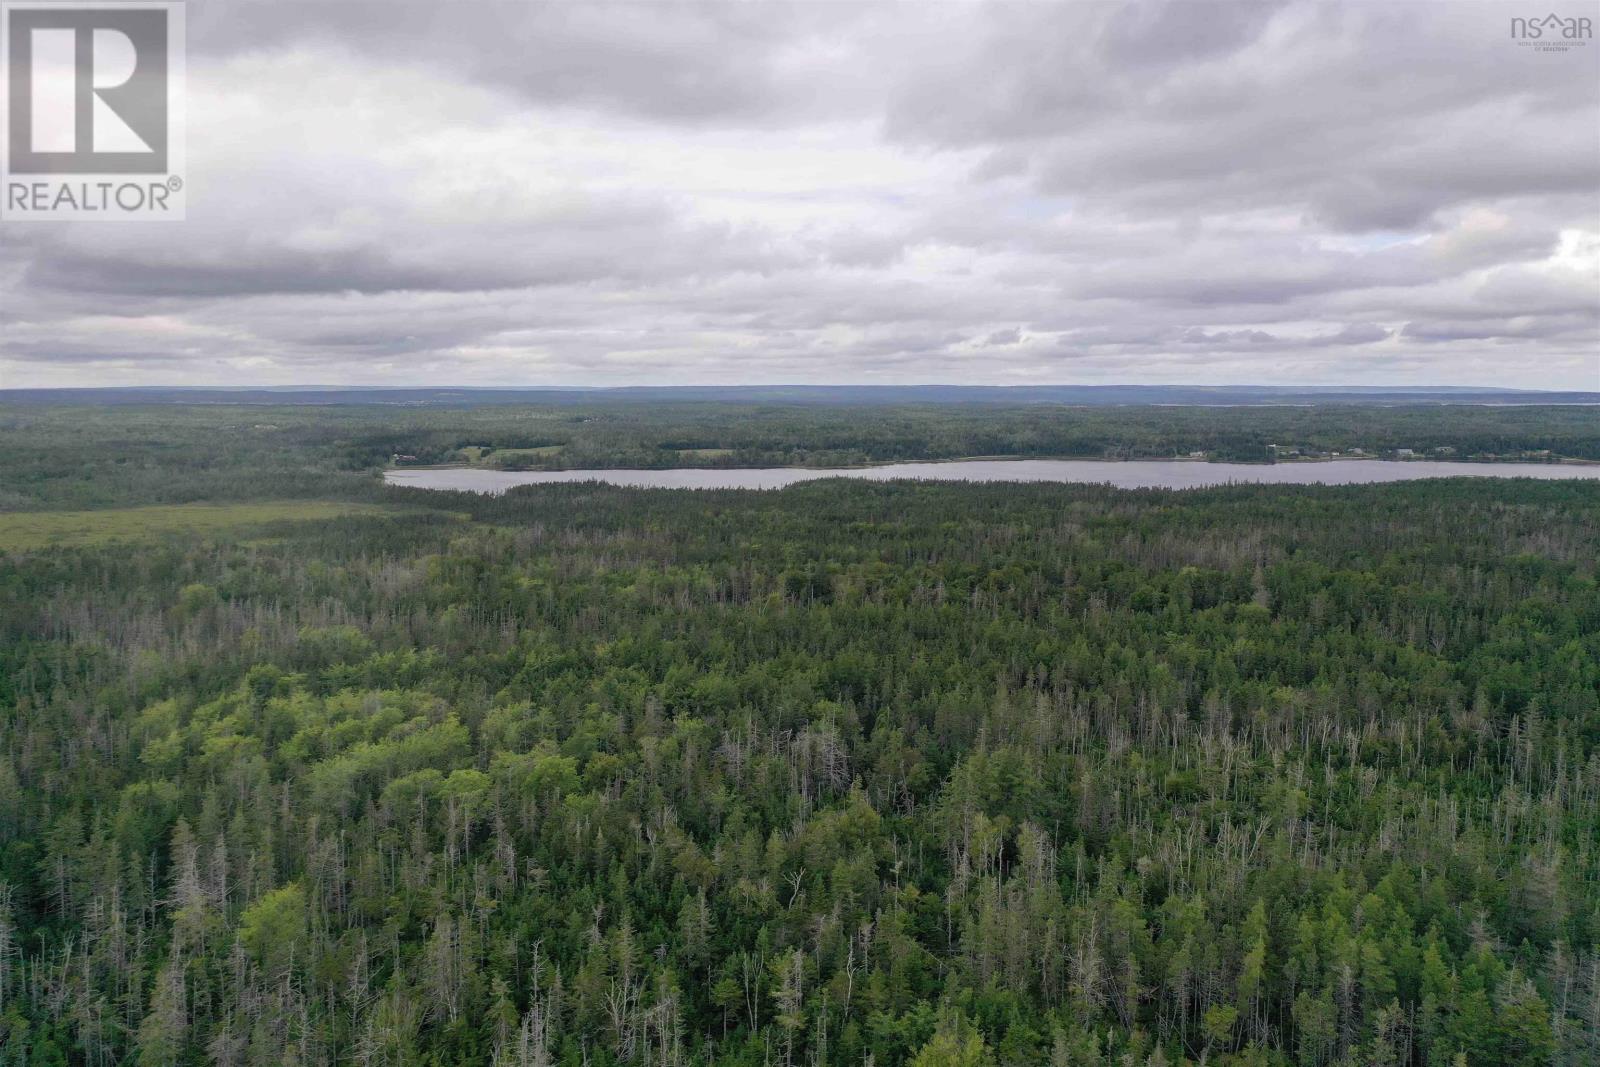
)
(489, 192)
(694, 63)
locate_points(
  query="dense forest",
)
(902, 774)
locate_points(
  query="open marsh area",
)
(41, 529)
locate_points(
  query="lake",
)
(1130, 474)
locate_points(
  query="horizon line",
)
(318, 386)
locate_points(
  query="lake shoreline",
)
(1565, 461)
(1124, 474)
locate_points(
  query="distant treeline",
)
(823, 395)
(93, 456)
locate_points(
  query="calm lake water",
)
(1132, 474)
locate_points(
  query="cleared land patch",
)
(515, 457)
(24, 530)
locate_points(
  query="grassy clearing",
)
(513, 457)
(25, 530)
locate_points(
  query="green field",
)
(22, 531)
(517, 457)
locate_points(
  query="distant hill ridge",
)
(1088, 395)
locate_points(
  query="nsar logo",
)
(1553, 33)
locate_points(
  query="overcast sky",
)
(456, 192)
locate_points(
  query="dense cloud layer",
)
(507, 193)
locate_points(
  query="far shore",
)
(1286, 461)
